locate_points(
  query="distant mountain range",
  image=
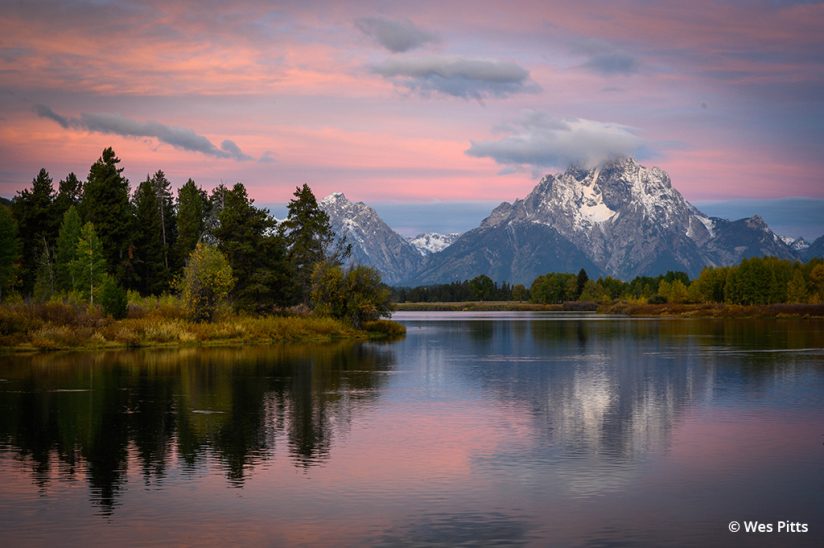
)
(619, 219)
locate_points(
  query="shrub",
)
(113, 299)
(356, 296)
(206, 282)
(385, 328)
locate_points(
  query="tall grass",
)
(153, 321)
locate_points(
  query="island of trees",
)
(93, 263)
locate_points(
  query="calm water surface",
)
(476, 429)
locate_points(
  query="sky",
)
(456, 105)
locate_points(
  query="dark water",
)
(497, 429)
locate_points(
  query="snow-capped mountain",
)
(796, 244)
(433, 242)
(620, 219)
(373, 242)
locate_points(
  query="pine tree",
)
(106, 205)
(580, 283)
(168, 221)
(66, 249)
(149, 258)
(69, 193)
(191, 212)
(247, 237)
(89, 266)
(211, 218)
(44, 281)
(309, 238)
(9, 250)
(33, 210)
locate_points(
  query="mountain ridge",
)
(619, 219)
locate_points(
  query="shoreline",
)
(103, 334)
(75, 333)
(493, 306)
(692, 310)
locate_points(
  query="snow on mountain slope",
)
(626, 219)
(433, 242)
(373, 242)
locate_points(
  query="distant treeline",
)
(94, 239)
(757, 280)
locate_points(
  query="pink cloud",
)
(294, 81)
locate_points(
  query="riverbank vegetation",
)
(163, 321)
(78, 266)
(756, 286)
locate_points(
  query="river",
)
(475, 429)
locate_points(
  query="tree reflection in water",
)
(92, 416)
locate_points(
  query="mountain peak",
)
(333, 198)
(373, 242)
(618, 162)
(578, 200)
(756, 221)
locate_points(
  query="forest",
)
(94, 241)
(754, 281)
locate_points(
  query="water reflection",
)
(602, 395)
(85, 413)
(477, 430)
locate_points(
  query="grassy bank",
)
(715, 310)
(493, 306)
(61, 326)
(708, 310)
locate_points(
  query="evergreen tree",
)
(33, 210)
(69, 193)
(149, 258)
(191, 213)
(89, 266)
(581, 282)
(309, 238)
(9, 250)
(44, 281)
(113, 298)
(66, 249)
(247, 237)
(106, 205)
(211, 218)
(168, 221)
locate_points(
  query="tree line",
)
(95, 239)
(754, 281)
